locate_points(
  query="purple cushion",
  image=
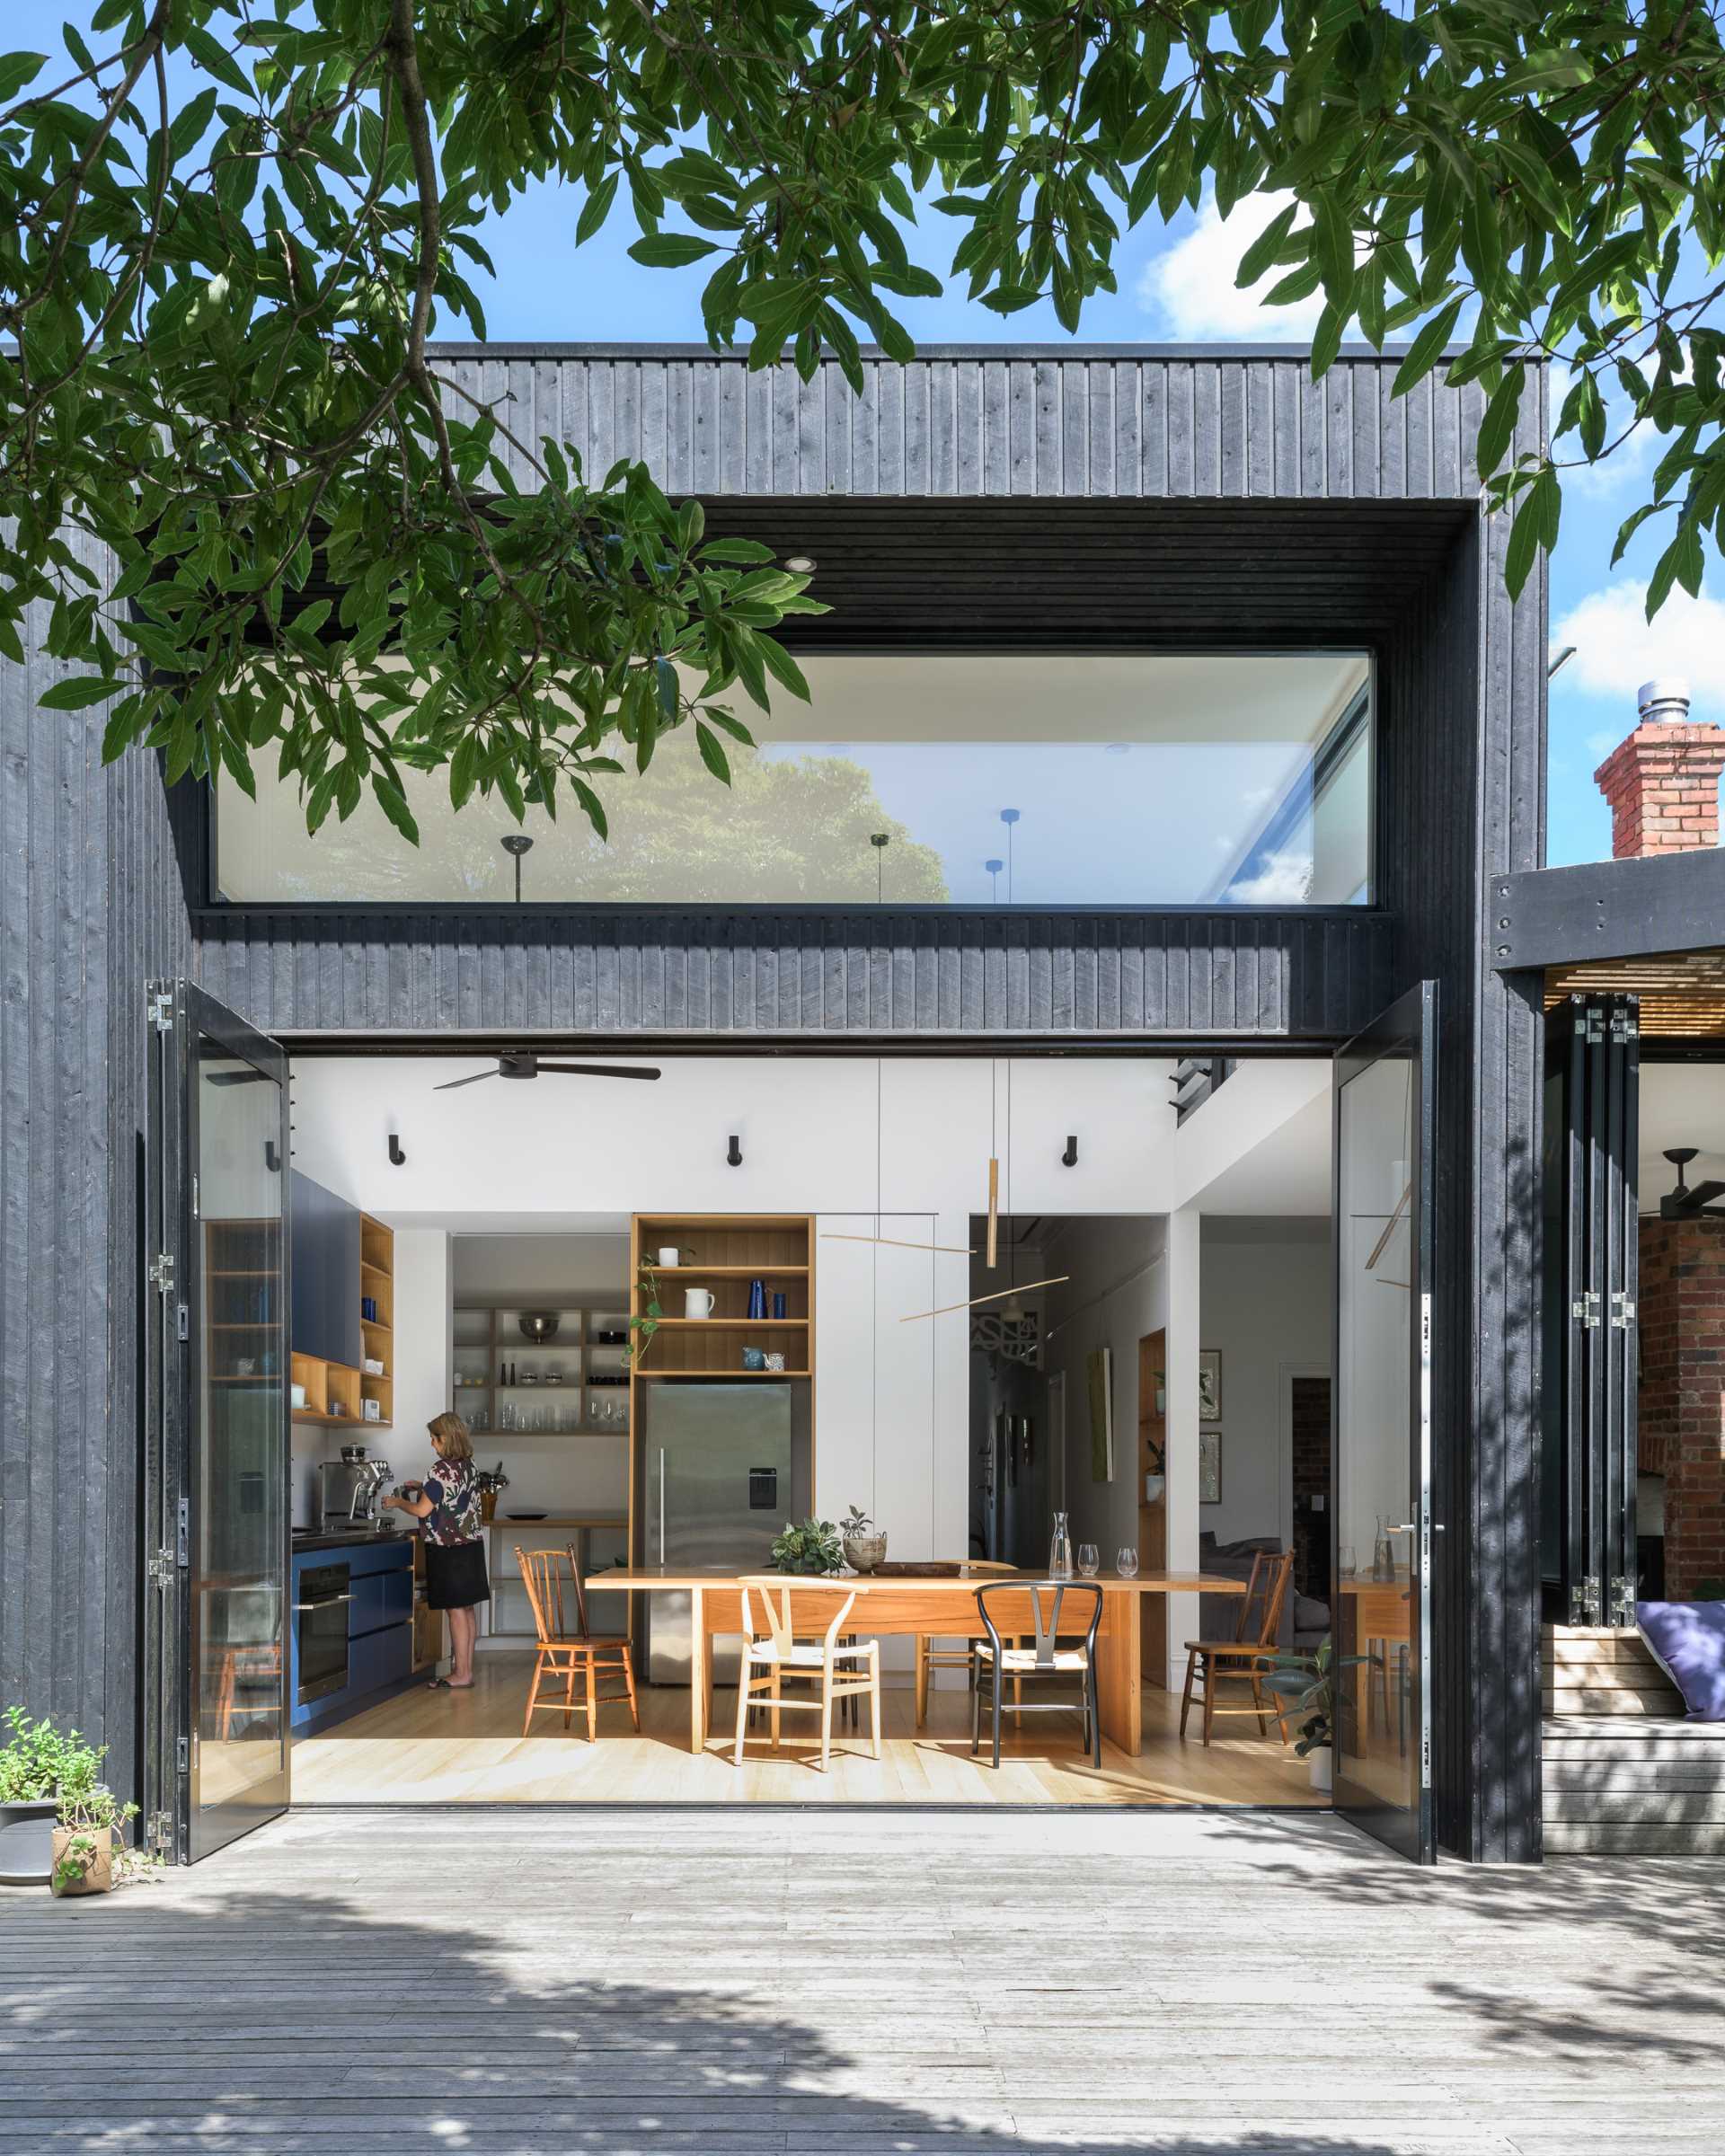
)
(1688, 1643)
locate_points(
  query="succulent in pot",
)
(813, 1547)
(865, 1545)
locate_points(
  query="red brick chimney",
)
(1663, 782)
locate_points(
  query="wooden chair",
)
(842, 1671)
(569, 1655)
(931, 1657)
(1243, 1659)
(995, 1661)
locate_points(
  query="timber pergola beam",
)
(1606, 909)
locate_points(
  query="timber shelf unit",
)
(576, 1383)
(1153, 1514)
(336, 1392)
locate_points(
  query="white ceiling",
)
(1681, 1104)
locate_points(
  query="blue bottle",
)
(757, 1298)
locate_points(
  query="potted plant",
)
(643, 1327)
(30, 1761)
(814, 1547)
(866, 1546)
(1305, 1685)
(90, 1854)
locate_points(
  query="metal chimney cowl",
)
(1664, 702)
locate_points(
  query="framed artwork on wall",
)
(1099, 1380)
(1209, 1383)
(1209, 1467)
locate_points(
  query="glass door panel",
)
(237, 1470)
(1383, 1426)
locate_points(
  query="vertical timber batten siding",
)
(92, 904)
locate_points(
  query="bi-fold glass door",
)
(218, 1465)
(1381, 1568)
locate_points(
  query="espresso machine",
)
(349, 1488)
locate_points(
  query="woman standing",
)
(446, 1505)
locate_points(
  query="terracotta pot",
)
(96, 1866)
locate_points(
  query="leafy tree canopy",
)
(222, 312)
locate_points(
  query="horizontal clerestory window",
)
(1107, 780)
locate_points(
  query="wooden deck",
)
(637, 1984)
(467, 1749)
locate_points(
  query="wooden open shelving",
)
(325, 1380)
(487, 1336)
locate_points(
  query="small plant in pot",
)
(866, 1546)
(30, 1761)
(1304, 1685)
(814, 1547)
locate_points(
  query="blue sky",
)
(1175, 281)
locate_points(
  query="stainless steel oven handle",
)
(324, 1602)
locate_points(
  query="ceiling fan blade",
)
(601, 1069)
(449, 1085)
(1702, 1194)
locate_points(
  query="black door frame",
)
(1593, 1065)
(178, 1014)
(1408, 1028)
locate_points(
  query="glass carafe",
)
(1383, 1551)
(1060, 1550)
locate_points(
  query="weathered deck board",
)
(504, 1984)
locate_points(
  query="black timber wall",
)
(92, 906)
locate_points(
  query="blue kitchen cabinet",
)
(380, 1627)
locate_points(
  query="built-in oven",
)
(321, 1630)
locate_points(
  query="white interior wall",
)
(1265, 1306)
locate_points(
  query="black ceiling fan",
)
(1683, 1203)
(522, 1062)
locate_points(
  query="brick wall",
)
(1681, 1396)
(1662, 783)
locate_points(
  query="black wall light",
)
(734, 1156)
(1070, 1156)
(271, 1156)
(397, 1158)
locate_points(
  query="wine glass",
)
(1345, 1560)
(1089, 1559)
(1126, 1563)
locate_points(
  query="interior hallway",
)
(440, 1747)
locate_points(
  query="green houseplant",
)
(642, 1328)
(865, 1545)
(1304, 1685)
(813, 1547)
(60, 1824)
(31, 1761)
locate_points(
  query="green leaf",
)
(75, 695)
(670, 249)
(1498, 425)
(1333, 248)
(215, 59)
(18, 69)
(598, 207)
(712, 754)
(1428, 347)
(1262, 252)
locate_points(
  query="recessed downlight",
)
(802, 565)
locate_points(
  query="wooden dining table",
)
(943, 1607)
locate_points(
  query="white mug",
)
(667, 1257)
(698, 1302)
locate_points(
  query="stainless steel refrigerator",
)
(717, 1491)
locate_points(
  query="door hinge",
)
(1585, 1306)
(161, 1272)
(160, 1009)
(1622, 1601)
(158, 1833)
(1593, 1025)
(1625, 1026)
(1583, 1601)
(1622, 1308)
(159, 1569)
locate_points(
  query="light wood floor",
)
(445, 1747)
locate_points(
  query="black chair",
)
(998, 1664)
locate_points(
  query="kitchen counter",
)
(346, 1538)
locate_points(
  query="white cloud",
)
(1191, 285)
(1284, 880)
(1617, 648)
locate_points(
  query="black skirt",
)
(455, 1574)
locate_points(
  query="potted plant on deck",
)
(30, 1773)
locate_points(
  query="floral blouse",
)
(452, 1489)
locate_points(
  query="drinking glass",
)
(1126, 1564)
(1345, 1560)
(1089, 1559)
